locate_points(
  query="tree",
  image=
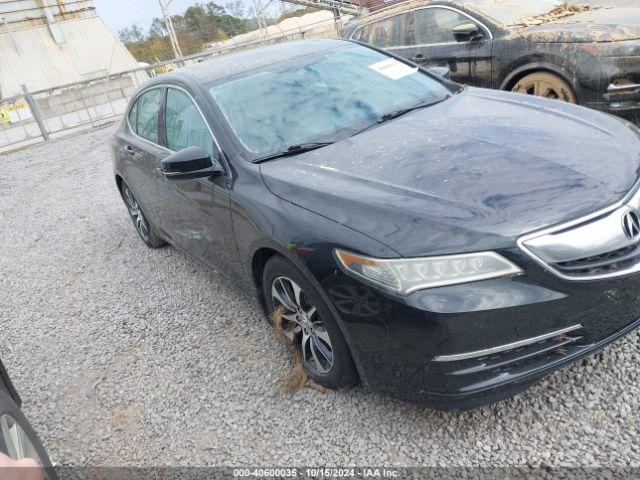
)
(196, 18)
(157, 29)
(131, 34)
(236, 9)
(213, 9)
(198, 25)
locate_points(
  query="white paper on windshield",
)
(393, 69)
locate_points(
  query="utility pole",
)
(258, 11)
(168, 23)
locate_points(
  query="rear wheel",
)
(547, 85)
(309, 325)
(144, 228)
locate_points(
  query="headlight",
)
(404, 276)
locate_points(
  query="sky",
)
(119, 14)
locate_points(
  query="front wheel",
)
(309, 325)
(547, 85)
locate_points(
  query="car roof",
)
(226, 66)
(395, 7)
(400, 6)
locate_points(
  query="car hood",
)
(471, 173)
(607, 24)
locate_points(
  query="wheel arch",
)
(513, 77)
(119, 180)
(262, 253)
(259, 259)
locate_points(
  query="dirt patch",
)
(298, 378)
(126, 419)
(558, 13)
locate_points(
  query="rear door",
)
(142, 150)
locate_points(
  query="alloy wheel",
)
(545, 85)
(16, 440)
(142, 226)
(302, 325)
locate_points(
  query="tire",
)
(13, 424)
(547, 85)
(315, 334)
(147, 232)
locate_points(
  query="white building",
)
(321, 24)
(48, 43)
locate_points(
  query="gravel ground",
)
(131, 356)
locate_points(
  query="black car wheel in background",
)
(18, 440)
(583, 53)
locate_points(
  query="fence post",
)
(35, 111)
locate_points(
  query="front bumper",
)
(623, 98)
(617, 91)
(418, 347)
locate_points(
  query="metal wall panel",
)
(19, 14)
(31, 56)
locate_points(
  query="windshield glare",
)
(510, 12)
(319, 97)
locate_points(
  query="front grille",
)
(608, 262)
(594, 247)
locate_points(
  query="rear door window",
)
(388, 32)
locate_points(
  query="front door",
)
(196, 213)
(435, 44)
(426, 36)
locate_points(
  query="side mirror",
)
(189, 163)
(442, 72)
(467, 32)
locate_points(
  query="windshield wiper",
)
(294, 150)
(398, 113)
(390, 116)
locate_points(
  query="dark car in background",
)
(446, 245)
(18, 440)
(584, 53)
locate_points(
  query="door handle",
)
(129, 149)
(417, 58)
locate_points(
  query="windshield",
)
(510, 12)
(320, 97)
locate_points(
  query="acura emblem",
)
(631, 225)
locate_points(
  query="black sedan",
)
(447, 245)
(587, 54)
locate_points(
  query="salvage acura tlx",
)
(443, 244)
